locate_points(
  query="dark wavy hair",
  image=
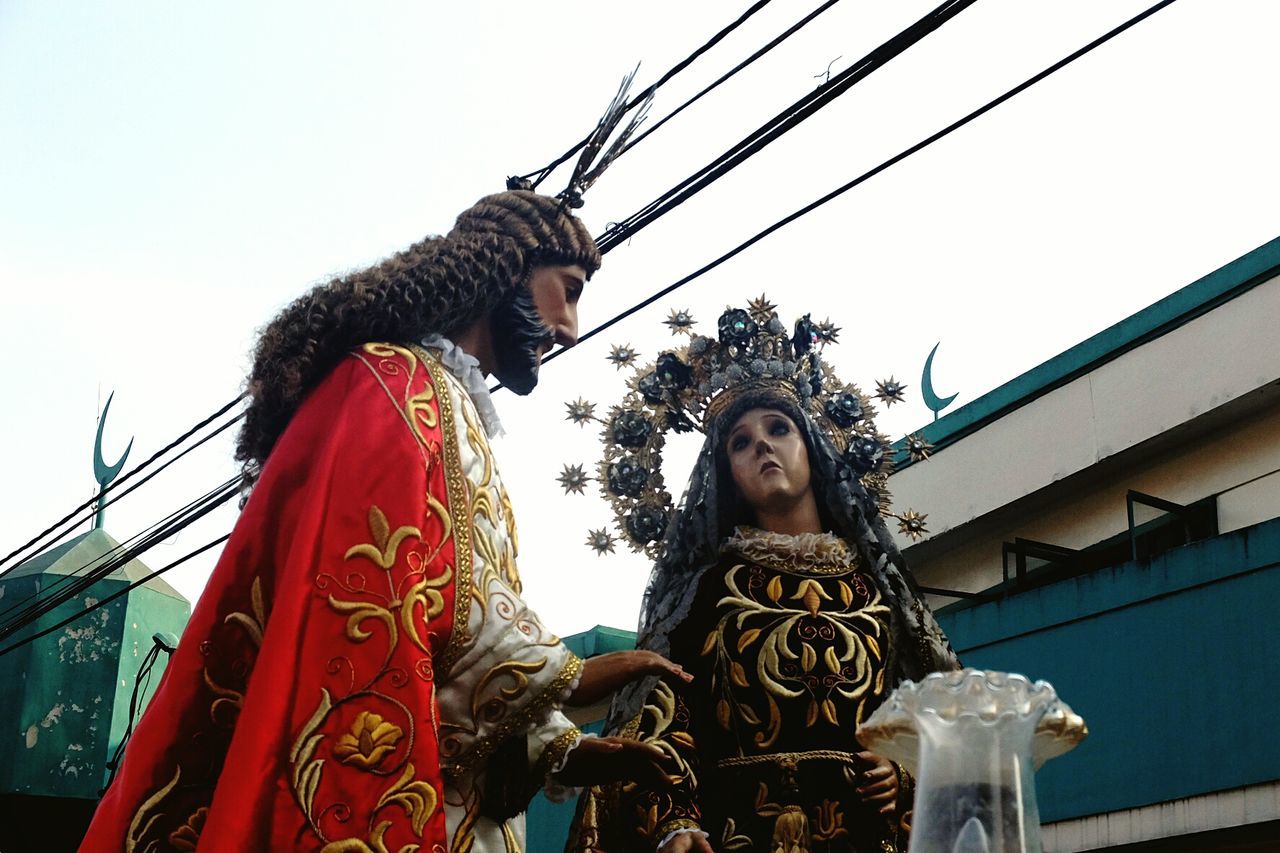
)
(439, 284)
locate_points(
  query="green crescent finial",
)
(103, 472)
(931, 399)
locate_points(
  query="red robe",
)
(299, 711)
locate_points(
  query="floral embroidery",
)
(187, 836)
(810, 639)
(370, 740)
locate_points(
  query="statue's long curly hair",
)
(439, 284)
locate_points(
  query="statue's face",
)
(768, 459)
(556, 291)
(537, 317)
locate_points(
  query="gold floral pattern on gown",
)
(788, 641)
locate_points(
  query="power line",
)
(680, 66)
(104, 602)
(780, 124)
(119, 481)
(770, 45)
(541, 175)
(604, 246)
(1026, 84)
(900, 156)
(174, 523)
(114, 498)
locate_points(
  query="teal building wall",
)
(65, 706)
(1173, 664)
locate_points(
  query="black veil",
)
(706, 518)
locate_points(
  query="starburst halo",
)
(600, 541)
(918, 447)
(828, 332)
(580, 411)
(622, 356)
(890, 391)
(573, 479)
(680, 322)
(911, 523)
(761, 309)
(674, 393)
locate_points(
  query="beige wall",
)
(1238, 463)
(1191, 414)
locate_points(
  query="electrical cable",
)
(141, 682)
(93, 511)
(1031, 81)
(672, 72)
(103, 564)
(174, 523)
(110, 598)
(540, 175)
(791, 117)
(190, 432)
(770, 45)
(902, 155)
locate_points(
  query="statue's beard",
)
(518, 336)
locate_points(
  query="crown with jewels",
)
(690, 387)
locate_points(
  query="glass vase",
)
(973, 741)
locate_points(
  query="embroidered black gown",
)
(788, 642)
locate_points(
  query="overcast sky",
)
(171, 174)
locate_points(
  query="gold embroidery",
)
(187, 836)
(418, 799)
(731, 840)
(518, 672)
(519, 722)
(464, 836)
(787, 663)
(554, 752)
(254, 625)
(763, 806)
(495, 553)
(306, 772)
(425, 593)
(370, 740)
(660, 832)
(399, 597)
(455, 486)
(385, 543)
(509, 838)
(142, 823)
(375, 844)
(417, 409)
(660, 724)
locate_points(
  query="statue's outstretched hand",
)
(604, 674)
(600, 760)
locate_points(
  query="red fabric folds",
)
(299, 711)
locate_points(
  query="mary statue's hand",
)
(879, 783)
(604, 674)
(600, 760)
(687, 842)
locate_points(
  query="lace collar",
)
(466, 369)
(820, 553)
